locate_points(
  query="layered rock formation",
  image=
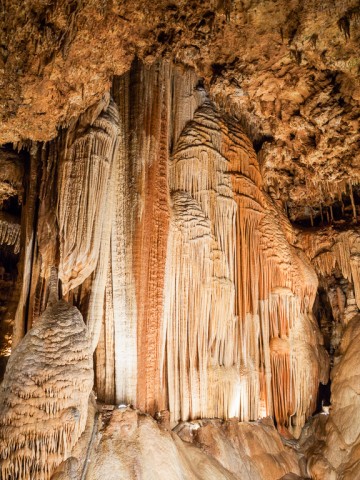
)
(258, 293)
(287, 70)
(334, 253)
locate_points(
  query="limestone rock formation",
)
(342, 429)
(336, 251)
(44, 395)
(133, 446)
(258, 294)
(11, 175)
(190, 171)
(84, 181)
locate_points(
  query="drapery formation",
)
(208, 304)
(154, 104)
(238, 308)
(67, 217)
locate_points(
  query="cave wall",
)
(151, 208)
(152, 155)
(334, 252)
(194, 285)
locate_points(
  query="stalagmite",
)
(43, 410)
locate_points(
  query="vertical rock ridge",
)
(84, 173)
(155, 103)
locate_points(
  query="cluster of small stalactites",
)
(10, 232)
(329, 249)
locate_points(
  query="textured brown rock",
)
(289, 71)
(11, 175)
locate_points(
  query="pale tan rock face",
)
(132, 446)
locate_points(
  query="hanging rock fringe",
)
(236, 288)
(84, 174)
(10, 231)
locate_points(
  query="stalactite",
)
(353, 206)
(10, 231)
(68, 214)
(84, 173)
(45, 246)
(283, 390)
(95, 310)
(330, 248)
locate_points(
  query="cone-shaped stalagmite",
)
(44, 395)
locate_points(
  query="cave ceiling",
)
(288, 70)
